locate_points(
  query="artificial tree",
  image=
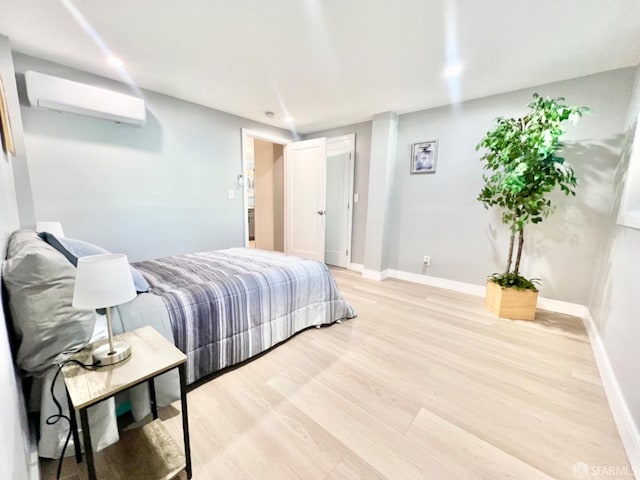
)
(522, 167)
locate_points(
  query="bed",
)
(227, 306)
(219, 307)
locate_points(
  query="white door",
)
(340, 172)
(305, 195)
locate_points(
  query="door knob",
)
(321, 212)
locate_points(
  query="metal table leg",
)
(185, 417)
(88, 449)
(152, 396)
(74, 429)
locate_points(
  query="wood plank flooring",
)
(423, 384)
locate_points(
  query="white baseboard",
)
(463, 287)
(34, 460)
(374, 275)
(627, 428)
(356, 267)
(559, 306)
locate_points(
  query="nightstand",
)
(148, 452)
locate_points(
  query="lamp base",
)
(103, 354)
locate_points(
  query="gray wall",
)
(361, 181)
(614, 305)
(438, 215)
(14, 434)
(384, 141)
(19, 161)
(147, 192)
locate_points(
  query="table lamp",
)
(51, 227)
(105, 281)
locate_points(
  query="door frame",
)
(351, 138)
(247, 133)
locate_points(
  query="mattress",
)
(226, 306)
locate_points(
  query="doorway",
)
(298, 196)
(319, 177)
(263, 180)
(339, 215)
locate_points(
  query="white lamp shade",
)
(51, 227)
(103, 281)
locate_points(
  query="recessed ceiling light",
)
(115, 61)
(269, 114)
(453, 70)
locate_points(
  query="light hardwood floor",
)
(424, 383)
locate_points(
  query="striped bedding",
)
(226, 306)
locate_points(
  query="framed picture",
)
(5, 126)
(424, 156)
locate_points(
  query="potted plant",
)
(522, 167)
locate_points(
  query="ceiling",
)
(327, 63)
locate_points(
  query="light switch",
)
(356, 197)
(231, 194)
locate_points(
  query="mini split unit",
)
(59, 94)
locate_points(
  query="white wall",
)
(438, 215)
(615, 301)
(150, 192)
(361, 181)
(15, 445)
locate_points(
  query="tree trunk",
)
(520, 244)
(510, 256)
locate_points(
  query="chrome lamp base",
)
(108, 355)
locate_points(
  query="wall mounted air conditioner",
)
(63, 95)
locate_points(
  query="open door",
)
(305, 198)
(338, 219)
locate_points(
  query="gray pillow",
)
(39, 282)
(73, 249)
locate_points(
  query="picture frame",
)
(424, 157)
(5, 125)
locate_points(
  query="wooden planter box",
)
(511, 303)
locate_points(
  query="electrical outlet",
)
(426, 260)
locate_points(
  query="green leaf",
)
(522, 161)
(511, 280)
